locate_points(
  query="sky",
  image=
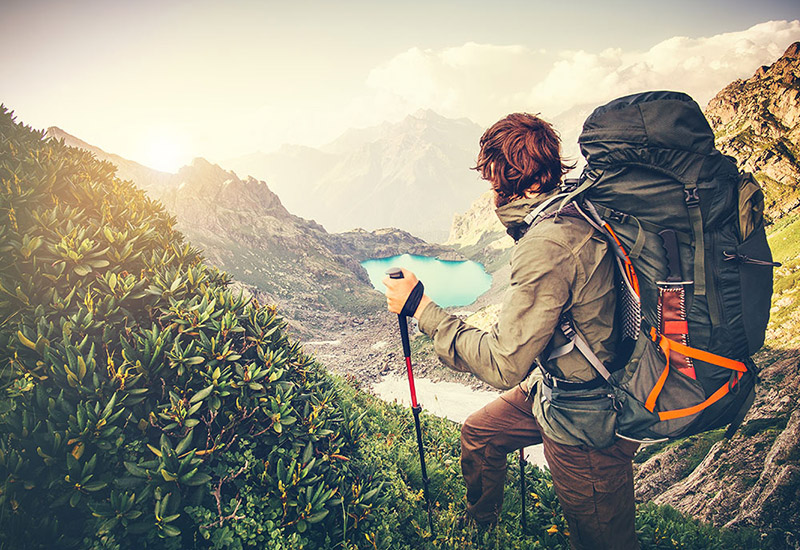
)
(162, 82)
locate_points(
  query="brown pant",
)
(594, 486)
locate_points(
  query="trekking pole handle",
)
(397, 273)
(394, 273)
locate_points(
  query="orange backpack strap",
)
(668, 345)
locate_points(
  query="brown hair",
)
(520, 153)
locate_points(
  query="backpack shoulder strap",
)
(535, 215)
(576, 341)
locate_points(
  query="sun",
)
(166, 151)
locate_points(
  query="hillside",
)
(136, 386)
(377, 177)
(152, 181)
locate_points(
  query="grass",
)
(784, 239)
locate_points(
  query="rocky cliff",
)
(758, 121)
(478, 234)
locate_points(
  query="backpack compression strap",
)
(667, 345)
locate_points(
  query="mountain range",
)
(414, 175)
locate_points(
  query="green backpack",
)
(695, 269)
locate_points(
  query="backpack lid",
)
(662, 130)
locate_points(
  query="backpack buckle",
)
(691, 196)
(617, 216)
(567, 329)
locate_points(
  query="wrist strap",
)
(412, 303)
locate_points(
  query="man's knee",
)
(474, 432)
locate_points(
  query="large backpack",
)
(695, 269)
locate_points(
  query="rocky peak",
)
(757, 121)
(206, 183)
(793, 51)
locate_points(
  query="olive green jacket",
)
(561, 264)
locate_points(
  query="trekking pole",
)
(522, 517)
(396, 273)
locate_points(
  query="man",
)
(559, 266)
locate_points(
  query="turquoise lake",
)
(447, 283)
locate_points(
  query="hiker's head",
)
(521, 154)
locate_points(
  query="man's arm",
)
(543, 272)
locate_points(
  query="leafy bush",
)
(143, 404)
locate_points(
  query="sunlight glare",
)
(166, 151)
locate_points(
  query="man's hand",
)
(398, 290)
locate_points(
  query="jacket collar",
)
(512, 215)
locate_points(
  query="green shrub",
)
(143, 404)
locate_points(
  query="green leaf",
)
(98, 263)
(81, 368)
(25, 342)
(308, 452)
(170, 519)
(82, 270)
(170, 531)
(168, 476)
(42, 344)
(319, 516)
(198, 479)
(202, 394)
(184, 443)
(165, 443)
(135, 470)
(109, 406)
(96, 486)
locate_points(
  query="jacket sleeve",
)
(543, 272)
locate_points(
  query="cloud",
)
(474, 80)
(484, 81)
(700, 67)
